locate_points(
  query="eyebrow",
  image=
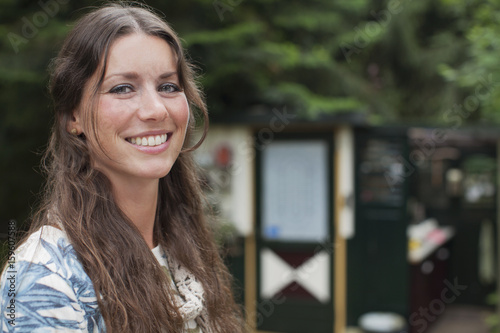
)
(167, 75)
(135, 75)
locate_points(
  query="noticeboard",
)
(295, 191)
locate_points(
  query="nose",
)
(152, 107)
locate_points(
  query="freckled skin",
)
(140, 94)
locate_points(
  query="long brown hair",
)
(133, 292)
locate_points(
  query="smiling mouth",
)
(151, 141)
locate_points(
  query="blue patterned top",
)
(44, 288)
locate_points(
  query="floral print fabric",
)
(49, 288)
(190, 301)
(46, 289)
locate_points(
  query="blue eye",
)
(121, 89)
(169, 88)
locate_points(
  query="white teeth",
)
(151, 141)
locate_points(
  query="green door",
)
(294, 234)
(377, 266)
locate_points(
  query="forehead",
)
(140, 52)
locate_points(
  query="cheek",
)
(110, 117)
(105, 112)
(182, 113)
(100, 129)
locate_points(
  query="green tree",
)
(478, 73)
(379, 58)
(29, 39)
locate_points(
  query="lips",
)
(149, 140)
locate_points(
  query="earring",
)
(74, 131)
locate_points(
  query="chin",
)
(155, 175)
(160, 173)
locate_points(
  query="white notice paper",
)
(295, 196)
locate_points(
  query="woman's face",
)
(141, 113)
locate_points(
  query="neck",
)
(138, 201)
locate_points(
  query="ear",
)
(75, 124)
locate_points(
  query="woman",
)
(120, 243)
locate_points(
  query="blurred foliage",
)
(479, 72)
(397, 61)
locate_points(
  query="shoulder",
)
(46, 285)
(48, 250)
(41, 245)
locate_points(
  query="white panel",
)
(295, 205)
(345, 147)
(243, 180)
(275, 274)
(314, 276)
(236, 203)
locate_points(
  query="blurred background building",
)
(333, 220)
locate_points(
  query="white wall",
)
(233, 187)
